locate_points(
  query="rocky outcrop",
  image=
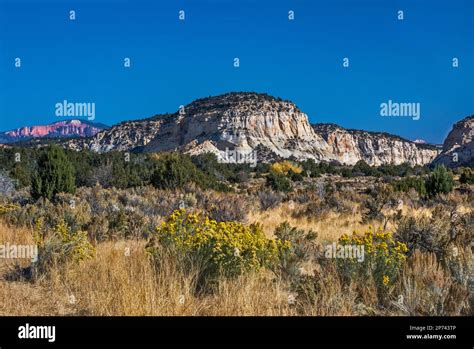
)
(243, 122)
(254, 123)
(240, 122)
(375, 148)
(458, 148)
(126, 136)
(60, 129)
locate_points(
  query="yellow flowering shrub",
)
(383, 257)
(220, 248)
(5, 208)
(285, 166)
(60, 245)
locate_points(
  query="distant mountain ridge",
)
(248, 121)
(60, 129)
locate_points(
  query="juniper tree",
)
(55, 174)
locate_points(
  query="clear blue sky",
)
(175, 62)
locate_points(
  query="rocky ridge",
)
(60, 129)
(249, 122)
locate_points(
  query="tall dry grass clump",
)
(123, 280)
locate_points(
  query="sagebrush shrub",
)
(437, 233)
(378, 198)
(302, 248)
(229, 207)
(269, 199)
(428, 289)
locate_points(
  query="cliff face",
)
(243, 122)
(375, 148)
(126, 136)
(236, 121)
(458, 148)
(67, 129)
(251, 122)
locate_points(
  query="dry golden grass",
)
(18, 297)
(332, 225)
(118, 283)
(121, 280)
(329, 227)
(21, 236)
(26, 299)
(330, 299)
(17, 236)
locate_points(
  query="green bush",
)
(302, 249)
(467, 176)
(296, 177)
(405, 184)
(278, 182)
(311, 168)
(209, 165)
(362, 167)
(19, 163)
(54, 174)
(174, 171)
(440, 181)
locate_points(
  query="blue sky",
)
(174, 62)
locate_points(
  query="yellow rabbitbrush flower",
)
(383, 257)
(76, 244)
(5, 208)
(191, 236)
(285, 166)
(59, 245)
